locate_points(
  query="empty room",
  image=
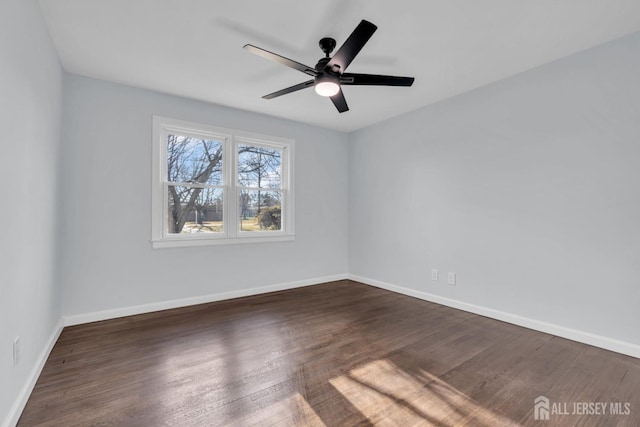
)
(303, 213)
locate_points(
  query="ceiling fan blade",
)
(293, 88)
(340, 102)
(375, 79)
(280, 59)
(351, 47)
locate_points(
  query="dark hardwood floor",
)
(336, 354)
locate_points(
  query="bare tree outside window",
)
(260, 182)
(195, 190)
(194, 172)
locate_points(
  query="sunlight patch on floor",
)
(389, 396)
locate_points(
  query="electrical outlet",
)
(434, 274)
(16, 351)
(451, 279)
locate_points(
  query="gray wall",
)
(528, 189)
(30, 108)
(108, 262)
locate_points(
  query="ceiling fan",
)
(329, 73)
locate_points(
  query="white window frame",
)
(231, 139)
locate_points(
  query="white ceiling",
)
(193, 48)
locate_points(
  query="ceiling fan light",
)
(327, 86)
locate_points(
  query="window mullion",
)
(231, 198)
(193, 185)
(241, 188)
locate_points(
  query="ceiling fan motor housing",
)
(322, 63)
(327, 82)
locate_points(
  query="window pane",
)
(259, 166)
(260, 210)
(195, 210)
(194, 160)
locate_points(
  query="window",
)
(213, 185)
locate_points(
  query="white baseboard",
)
(18, 406)
(96, 316)
(573, 334)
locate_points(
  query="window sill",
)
(184, 243)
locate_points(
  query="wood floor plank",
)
(336, 354)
